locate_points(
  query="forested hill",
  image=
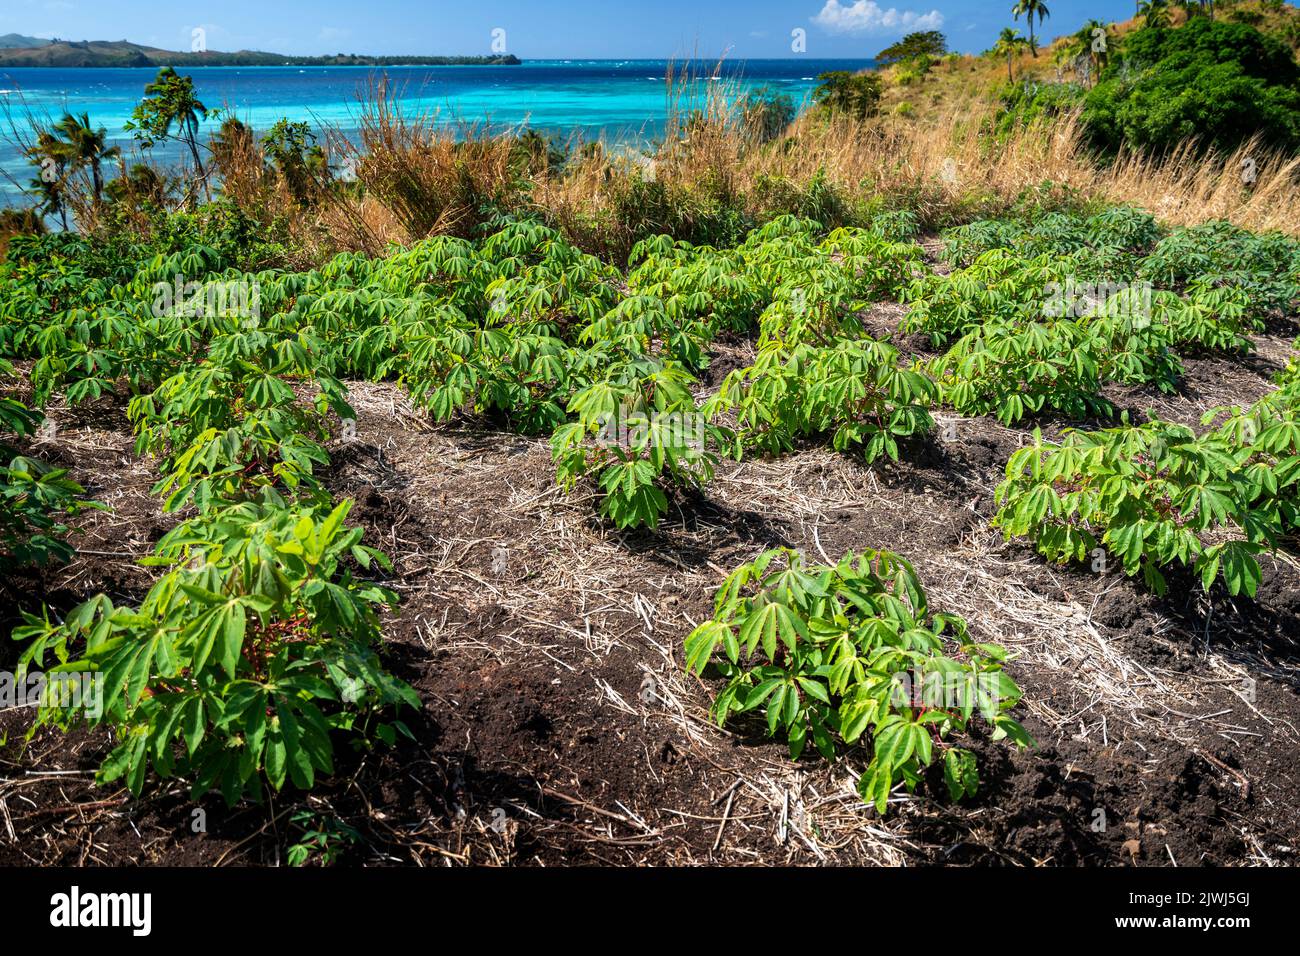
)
(123, 53)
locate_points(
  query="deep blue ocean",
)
(623, 100)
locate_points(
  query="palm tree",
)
(49, 197)
(170, 104)
(1083, 43)
(50, 156)
(1155, 12)
(86, 147)
(1029, 8)
(1010, 43)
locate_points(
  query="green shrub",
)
(998, 286)
(854, 389)
(36, 500)
(1011, 369)
(637, 426)
(1215, 82)
(1158, 494)
(1265, 267)
(1021, 104)
(839, 654)
(253, 649)
(852, 94)
(766, 113)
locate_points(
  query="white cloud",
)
(864, 16)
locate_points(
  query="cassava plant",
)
(36, 501)
(1151, 495)
(232, 423)
(636, 428)
(1011, 369)
(851, 653)
(245, 659)
(856, 389)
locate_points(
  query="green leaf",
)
(960, 773)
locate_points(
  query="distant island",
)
(17, 50)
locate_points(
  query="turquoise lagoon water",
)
(623, 100)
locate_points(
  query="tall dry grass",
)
(950, 164)
(1188, 188)
(417, 175)
(708, 179)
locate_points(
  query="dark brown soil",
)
(558, 727)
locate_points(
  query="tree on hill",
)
(1092, 40)
(85, 146)
(53, 160)
(1010, 44)
(1198, 8)
(926, 43)
(292, 150)
(1155, 14)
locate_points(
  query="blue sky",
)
(540, 28)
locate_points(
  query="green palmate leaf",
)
(1241, 571)
(821, 651)
(767, 625)
(702, 643)
(960, 773)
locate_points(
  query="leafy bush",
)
(636, 426)
(1268, 434)
(1158, 494)
(1136, 346)
(1011, 369)
(252, 650)
(1106, 244)
(1263, 266)
(839, 654)
(854, 388)
(1208, 318)
(217, 448)
(35, 499)
(1215, 82)
(1020, 104)
(853, 94)
(998, 286)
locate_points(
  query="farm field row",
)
(434, 543)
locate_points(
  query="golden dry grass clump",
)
(420, 176)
